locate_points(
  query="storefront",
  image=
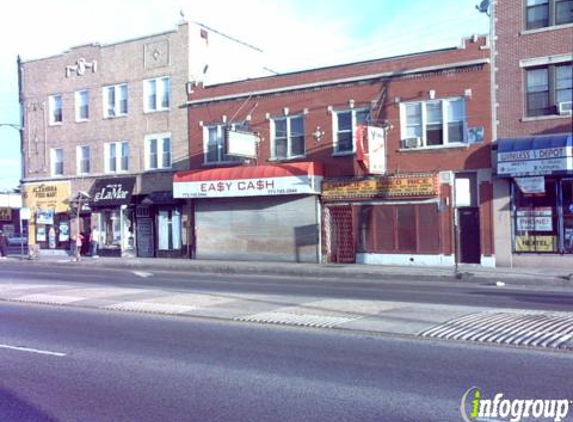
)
(49, 225)
(255, 212)
(397, 220)
(538, 173)
(114, 216)
(159, 226)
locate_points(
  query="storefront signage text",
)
(535, 161)
(111, 192)
(53, 195)
(539, 219)
(535, 243)
(248, 187)
(387, 187)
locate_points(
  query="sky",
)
(293, 35)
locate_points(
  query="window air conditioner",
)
(565, 107)
(411, 142)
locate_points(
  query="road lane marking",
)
(142, 274)
(27, 349)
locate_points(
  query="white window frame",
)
(159, 137)
(335, 114)
(79, 159)
(221, 128)
(78, 101)
(53, 162)
(159, 93)
(118, 157)
(107, 111)
(289, 155)
(52, 109)
(445, 120)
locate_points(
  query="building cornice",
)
(341, 81)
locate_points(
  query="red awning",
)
(250, 172)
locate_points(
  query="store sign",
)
(112, 192)
(533, 162)
(5, 214)
(535, 243)
(538, 219)
(49, 195)
(371, 148)
(242, 144)
(267, 186)
(534, 184)
(384, 187)
(44, 216)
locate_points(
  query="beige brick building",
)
(107, 120)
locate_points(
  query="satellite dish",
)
(484, 7)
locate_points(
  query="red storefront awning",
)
(278, 179)
(250, 172)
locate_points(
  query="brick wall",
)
(316, 101)
(514, 43)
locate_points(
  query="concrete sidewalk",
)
(542, 277)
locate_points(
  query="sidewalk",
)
(541, 277)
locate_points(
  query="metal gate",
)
(339, 240)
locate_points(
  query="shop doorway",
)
(470, 245)
(339, 233)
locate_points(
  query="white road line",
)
(142, 274)
(27, 349)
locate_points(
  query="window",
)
(546, 87)
(434, 123)
(82, 106)
(156, 94)
(57, 161)
(116, 157)
(544, 13)
(115, 101)
(158, 152)
(288, 137)
(83, 159)
(55, 105)
(214, 145)
(345, 123)
(405, 228)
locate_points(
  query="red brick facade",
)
(382, 86)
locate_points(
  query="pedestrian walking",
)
(94, 241)
(78, 240)
(3, 245)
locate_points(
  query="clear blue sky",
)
(291, 32)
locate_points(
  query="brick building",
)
(386, 161)
(533, 203)
(106, 121)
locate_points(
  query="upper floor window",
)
(158, 151)
(83, 159)
(345, 124)
(116, 156)
(544, 13)
(156, 94)
(115, 101)
(433, 123)
(57, 161)
(214, 145)
(288, 137)
(82, 105)
(547, 87)
(55, 109)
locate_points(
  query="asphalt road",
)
(485, 294)
(66, 364)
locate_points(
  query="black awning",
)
(112, 192)
(160, 198)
